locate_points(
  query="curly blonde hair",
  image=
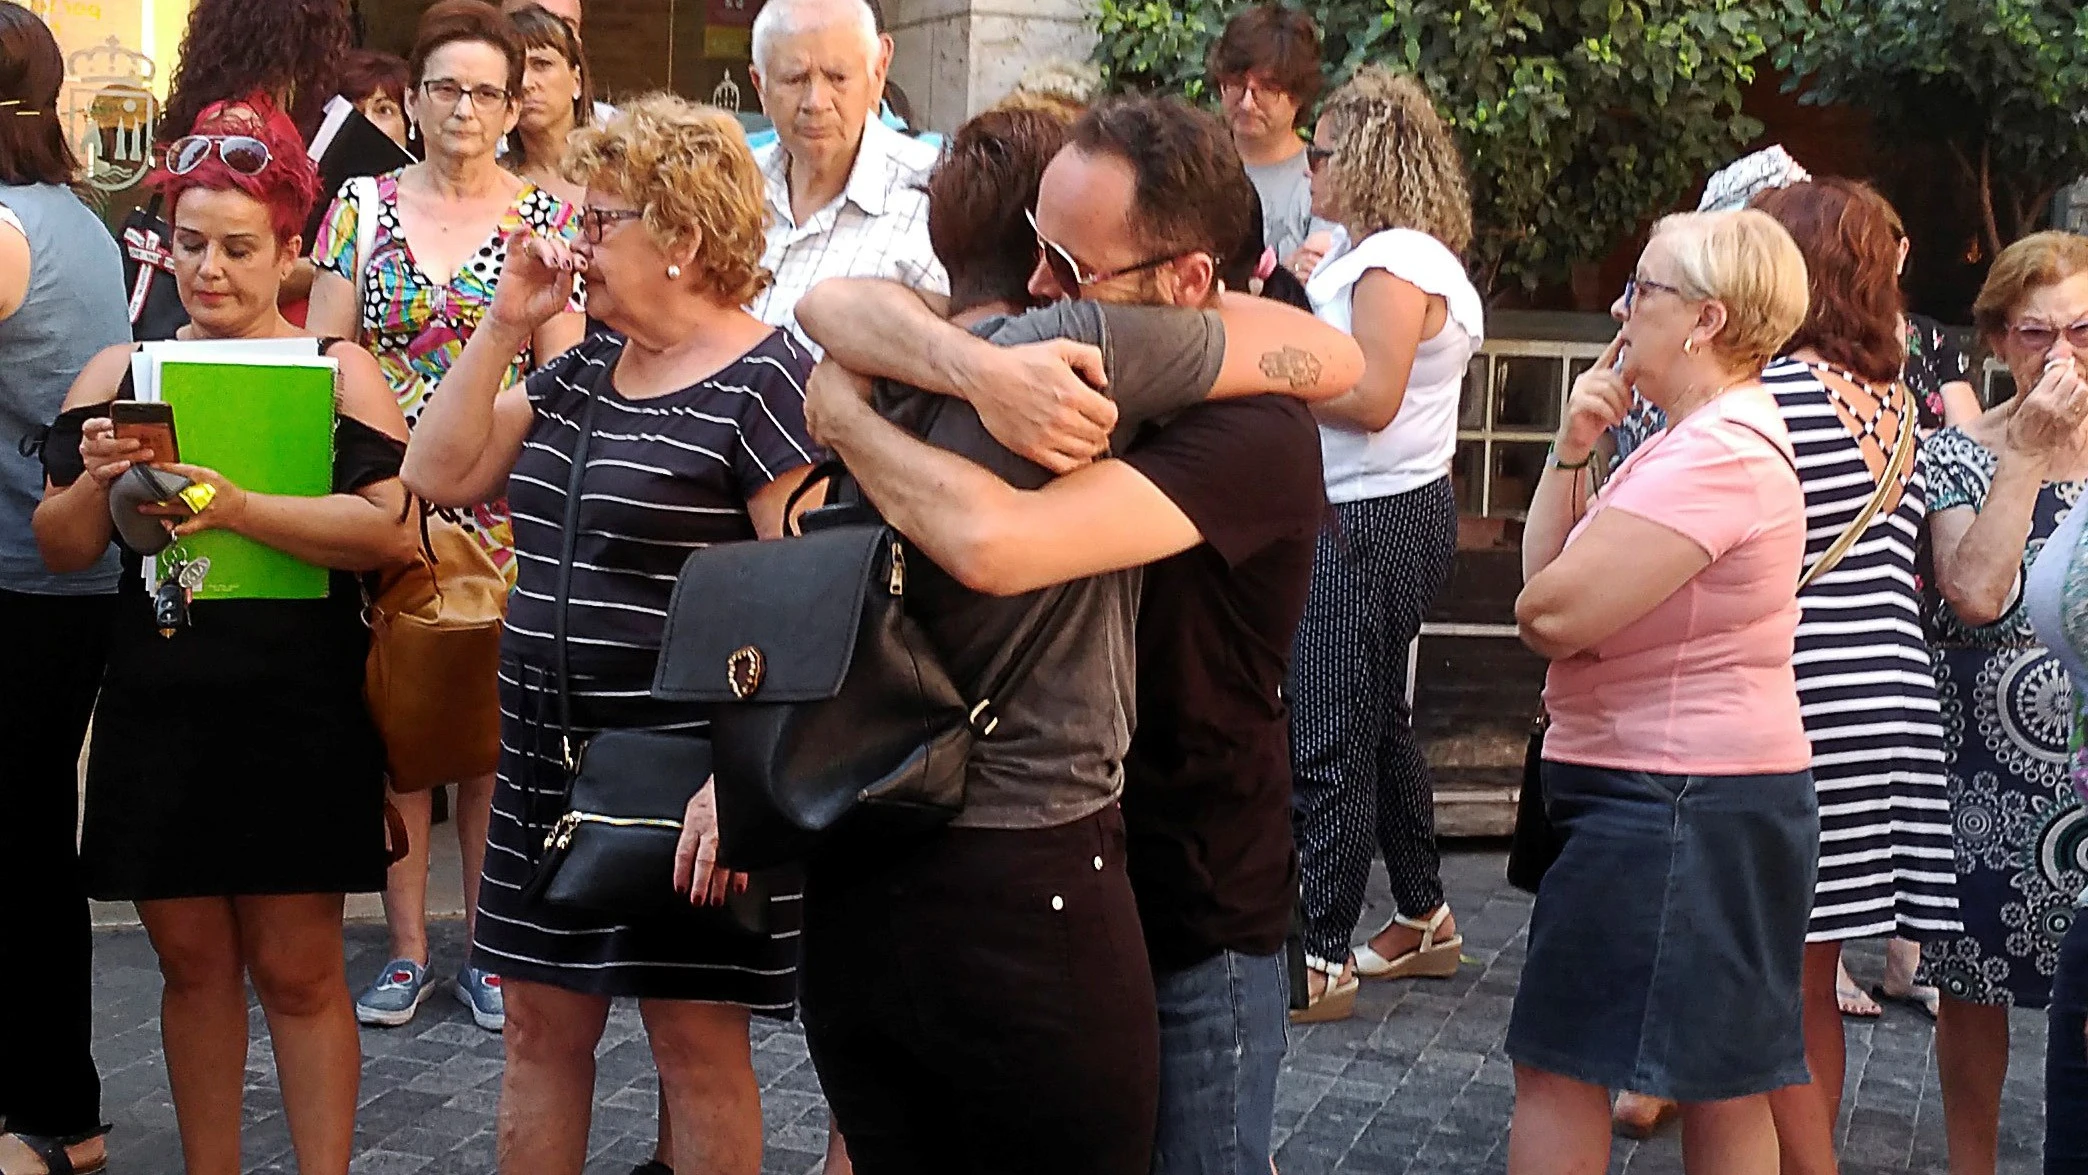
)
(1395, 163)
(688, 169)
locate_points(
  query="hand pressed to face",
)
(536, 284)
(1599, 401)
(2050, 425)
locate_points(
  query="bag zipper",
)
(562, 832)
(898, 582)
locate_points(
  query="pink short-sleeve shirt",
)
(1702, 684)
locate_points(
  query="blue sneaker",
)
(395, 995)
(480, 991)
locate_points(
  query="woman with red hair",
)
(235, 784)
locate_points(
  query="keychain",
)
(170, 604)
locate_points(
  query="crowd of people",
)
(1166, 400)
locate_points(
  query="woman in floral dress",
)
(1999, 487)
(408, 262)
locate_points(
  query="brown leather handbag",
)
(432, 680)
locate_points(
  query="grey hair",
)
(782, 17)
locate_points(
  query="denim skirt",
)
(1668, 939)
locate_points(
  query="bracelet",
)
(1551, 458)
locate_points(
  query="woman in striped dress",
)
(1866, 685)
(696, 414)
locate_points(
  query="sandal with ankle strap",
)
(1432, 959)
(52, 1150)
(1336, 1001)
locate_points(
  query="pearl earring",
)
(674, 271)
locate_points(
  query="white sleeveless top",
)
(1416, 447)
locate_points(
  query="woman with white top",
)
(1385, 168)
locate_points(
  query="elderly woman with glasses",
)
(696, 415)
(410, 261)
(2002, 487)
(1667, 942)
(235, 784)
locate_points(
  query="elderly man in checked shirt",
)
(844, 189)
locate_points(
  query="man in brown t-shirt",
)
(1139, 208)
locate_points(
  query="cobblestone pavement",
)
(1416, 1082)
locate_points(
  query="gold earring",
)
(1689, 346)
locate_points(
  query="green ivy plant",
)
(2002, 83)
(1581, 120)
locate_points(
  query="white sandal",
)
(1430, 960)
(1336, 1001)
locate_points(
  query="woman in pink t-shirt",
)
(1666, 946)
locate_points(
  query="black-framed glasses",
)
(1071, 274)
(445, 93)
(1316, 156)
(1633, 286)
(1261, 88)
(244, 154)
(2038, 336)
(595, 222)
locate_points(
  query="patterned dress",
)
(416, 325)
(2008, 713)
(1867, 688)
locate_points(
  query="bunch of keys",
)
(170, 604)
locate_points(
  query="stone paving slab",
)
(1415, 1083)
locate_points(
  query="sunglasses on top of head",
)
(244, 154)
(1071, 275)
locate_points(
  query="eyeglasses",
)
(1316, 157)
(242, 153)
(1261, 89)
(595, 222)
(2036, 336)
(445, 93)
(1636, 284)
(1072, 275)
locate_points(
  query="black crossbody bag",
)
(829, 709)
(612, 850)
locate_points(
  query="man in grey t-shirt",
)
(1266, 66)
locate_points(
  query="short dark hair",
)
(978, 199)
(1845, 230)
(367, 72)
(1192, 194)
(451, 22)
(1282, 43)
(33, 147)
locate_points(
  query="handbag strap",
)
(1895, 467)
(569, 540)
(1023, 652)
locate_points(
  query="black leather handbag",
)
(612, 850)
(828, 706)
(1536, 841)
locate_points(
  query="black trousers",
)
(56, 648)
(981, 1002)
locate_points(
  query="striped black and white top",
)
(1867, 689)
(665, 475)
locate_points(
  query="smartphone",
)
(150, 424)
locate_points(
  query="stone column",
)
(957, 57)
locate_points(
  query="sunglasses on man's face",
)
(1071, 275)
(242, 153)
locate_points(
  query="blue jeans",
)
(1224, 1026)
(2066, 1058)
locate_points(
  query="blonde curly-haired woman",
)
(698, 437)
(1385, 168)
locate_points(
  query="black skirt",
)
(686, 954)
(236, 757)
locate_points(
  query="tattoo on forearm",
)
(1294, 366)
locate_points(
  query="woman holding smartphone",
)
(234, 782)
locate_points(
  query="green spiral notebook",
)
(264, 419)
